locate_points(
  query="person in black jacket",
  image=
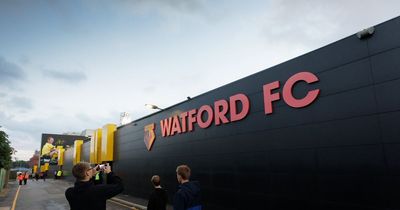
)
(87, 196)
(188, 195)
(158, 198)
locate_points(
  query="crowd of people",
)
(89, 191)
(23, 177)
(186, 198)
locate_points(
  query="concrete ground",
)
(48, 195)
(6, 201)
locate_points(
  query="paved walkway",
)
(45, 195)
(6, 201)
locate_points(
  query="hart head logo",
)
(149, 135)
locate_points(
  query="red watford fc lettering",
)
(204, 117)
(235, 109)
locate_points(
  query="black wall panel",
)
(386, 37)
(386, 65)
(85, 153)
(389, 125)
(340, 152)
(387, 96)
(68, 163)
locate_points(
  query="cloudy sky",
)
(71, 65)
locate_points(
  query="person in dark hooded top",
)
(87, 196)
(188, 195)
(158, 198)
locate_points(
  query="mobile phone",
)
(100, 167)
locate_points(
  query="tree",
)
(5, 151)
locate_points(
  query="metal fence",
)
(2, 178)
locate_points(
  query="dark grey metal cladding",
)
(85, 152)
(68, 163)
(386, 36)
(341, 152)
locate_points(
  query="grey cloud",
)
(2, 117)
(24, 59)
(290, 22)
(97, 121)
(21, 102)
(84, 117)
(309, 24)
(149, 89)
(166, 8)
(10, 72)
(70, 77)
(179, 5)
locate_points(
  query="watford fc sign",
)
(217, 113)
